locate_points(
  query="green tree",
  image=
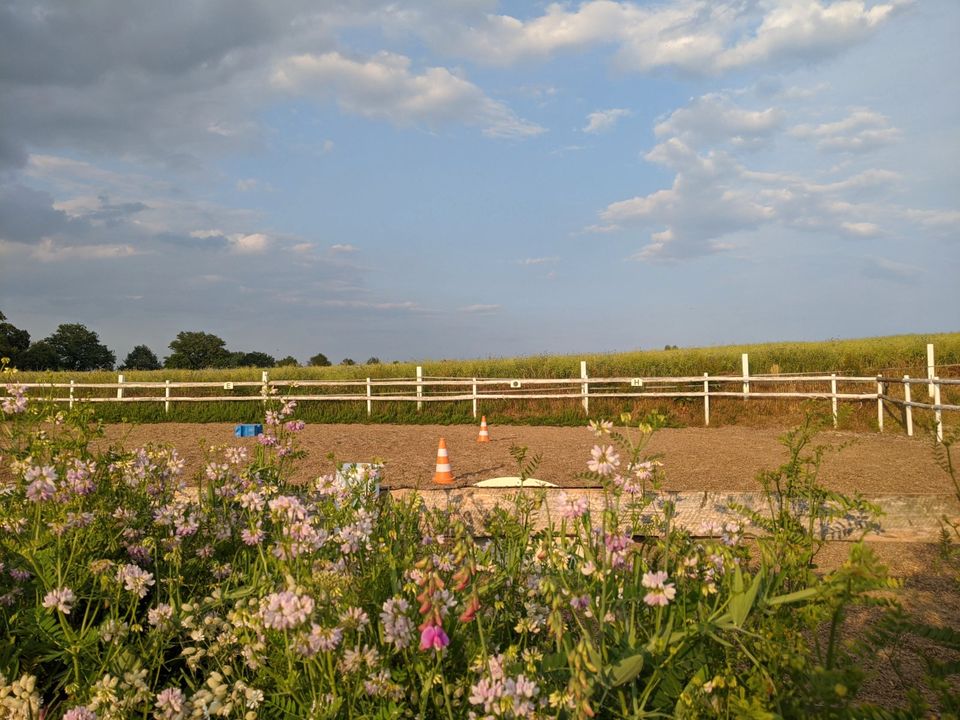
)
(348, 361)
(373, 361)
(141, 358)
(320, 360)
(288, 361)
(257, 360)
(13, 341)
(79, 348)
(40, 355)
(196, 351)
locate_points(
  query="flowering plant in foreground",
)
(128, 590)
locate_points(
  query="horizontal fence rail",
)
(583, 389)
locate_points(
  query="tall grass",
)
(891, 356)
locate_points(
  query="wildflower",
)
(433, 637)
(79, 479)
(661, 592)
(571, 509)
(601, 428)
(20, 575)
(603, 459)
(160, 615)
(17, 402)
(273, 418)
(252, 537)
(294, 425)
(60, 599)
(79, 713)
(354, 618)
(397, 626)
(170, 705)
(42, 483)
(580, 603)
(235, 455)
(284, 610)
(135, 579)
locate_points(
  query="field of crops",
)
(892, 356)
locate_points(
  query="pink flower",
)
(661, 592)
(603, 459)
(434, 637)
(60, 599)
(571, 509)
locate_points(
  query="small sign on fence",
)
(514, 384)
(636, 382)
(228, 386)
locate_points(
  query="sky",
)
(442, 179)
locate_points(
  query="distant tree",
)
(197, 350)
(348, 361)
(373, 361)
(141, 358)
(39, 356)
(13, 341)
(671, 347)
(257, 360)
(320, 360)
(79, 348)
(288, 361)
(233, 359)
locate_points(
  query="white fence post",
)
(706, 400)
(166, 396)
(938, 413)
(585, 387)
(906, 399)
(474, 398)
(931, 369)
(369, 401)
(265, 388)
(71, 394)
(879, 403)
(833, 398)
(419, 388)
(745, 363)
(120, 389)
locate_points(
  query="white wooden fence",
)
(745, 386)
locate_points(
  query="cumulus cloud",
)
(479, 309)
(385, 87)
(715, 118)
(861, 131)
(343, 248)
(538, 260)
(603, 120)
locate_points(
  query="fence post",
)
(745, 362)
(833, 399)
(265, 388)
(880, 403)
(71, 394)
(474, 398)
(419, 388)
(120, 389)
(369, 401)
(706, 400)
(906, 399)
(166, 395)
(585, 387)
(931, 369)
(938, 413)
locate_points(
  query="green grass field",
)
(891, 356)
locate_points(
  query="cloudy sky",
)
(435, 179)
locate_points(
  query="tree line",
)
(73, 346)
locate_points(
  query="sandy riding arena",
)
(712, 459)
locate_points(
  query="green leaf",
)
(627, 669)
(798, 596)
(742, 602)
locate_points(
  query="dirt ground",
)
(711, 459)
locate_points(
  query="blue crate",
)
(248, 430)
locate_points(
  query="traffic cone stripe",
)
(484, 435)
(443, 468)
(443, 476)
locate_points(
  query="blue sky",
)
(479, 179)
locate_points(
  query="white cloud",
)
(246, 184)
(538, 260)
(343, 248)
(861, 131)
(603, 120)
(302, 248)
(328, 146)
(385, 87)
(690, 35)
(861, 229)
(249, 244)
(50, 251)
(479, 309)
(714, 118)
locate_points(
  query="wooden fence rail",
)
(745, 386)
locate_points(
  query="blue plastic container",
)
(248, 430)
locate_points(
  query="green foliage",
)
(257, 360)
(348, 361)
(79, 349)
(196, 351)
(319, 360)
(288, 361)
(141, 358)
(41, 355)
(13, 341)
(373, 360)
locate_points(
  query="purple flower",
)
(79, 713)
(170, 704)
(135, 579)
(397, 626)
(42, 483)
(433, 637)
(661, 592)
(61, 599)
(571, 509)
(285, 610)
(17, 402)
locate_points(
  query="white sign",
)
(228, 386)
(636, 382)
(514, 384)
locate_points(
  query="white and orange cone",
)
(443, 476)
(484, 435)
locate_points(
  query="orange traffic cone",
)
(443, 476)
(484, 436)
